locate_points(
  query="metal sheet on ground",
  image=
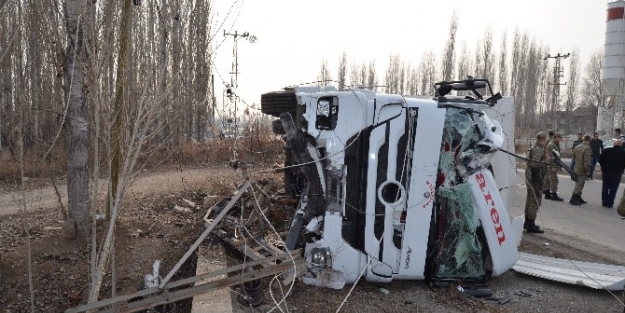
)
(593, 275)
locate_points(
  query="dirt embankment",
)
(149, 229)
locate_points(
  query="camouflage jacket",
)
(553, 145)
(536, 170)
(536, 153)
(582, 155)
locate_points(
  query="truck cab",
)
(394, 187)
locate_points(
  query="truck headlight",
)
(321, 257)
(323, 108)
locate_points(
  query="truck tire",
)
(276, 127)
(278, 102)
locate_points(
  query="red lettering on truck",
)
(494, 214)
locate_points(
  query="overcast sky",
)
(294, 36)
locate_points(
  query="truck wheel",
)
(278, 102)
(276, 127)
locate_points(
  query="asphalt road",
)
(591, 222)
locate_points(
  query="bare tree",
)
(358, 74)
(404, 70)
(449, 54)
(544, 89)
(393, 72)
(324, 77)
(519, 76)
(591, 81)
(479, 65)
(372, 78)
(503, 64)
(412, 81)
(77, 136)
(530, 91)
(429, 73)
(572, 87)
(354, 74)
(342, 72)
(488, 56)
(362, 80)
(465, 64)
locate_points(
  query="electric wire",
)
(364, 268)
(539, 213)
(352, 142)
(225, 19)
(231, 26)
(289, 253)
(566, 255)
(241, 224)
(364, 123)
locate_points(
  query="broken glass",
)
(460, 253)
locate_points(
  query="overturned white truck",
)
(393, 187)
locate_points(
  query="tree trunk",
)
(76, 122)
(119, 113)
(163, 127)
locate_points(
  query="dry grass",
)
(262, 150)
(34, 166)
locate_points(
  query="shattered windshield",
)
(460, 135)
(459, 253)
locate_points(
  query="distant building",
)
(580, 120)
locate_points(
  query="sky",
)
(295, 36)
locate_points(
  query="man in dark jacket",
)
(612, 162)
(596, 146)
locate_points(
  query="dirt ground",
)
(149, 229)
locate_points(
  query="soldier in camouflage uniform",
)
(582, 155)
(534, 175)
(552, 172)
(547, 178)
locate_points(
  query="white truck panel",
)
(391, 253)
(376, 141)
(504, 165)
(421, 191)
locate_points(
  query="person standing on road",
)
(547, 178)
(552, 172)
(612, 162)
(596, 145)
(580, 138)
(534, 178)
(618, 134)
(583, 167)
